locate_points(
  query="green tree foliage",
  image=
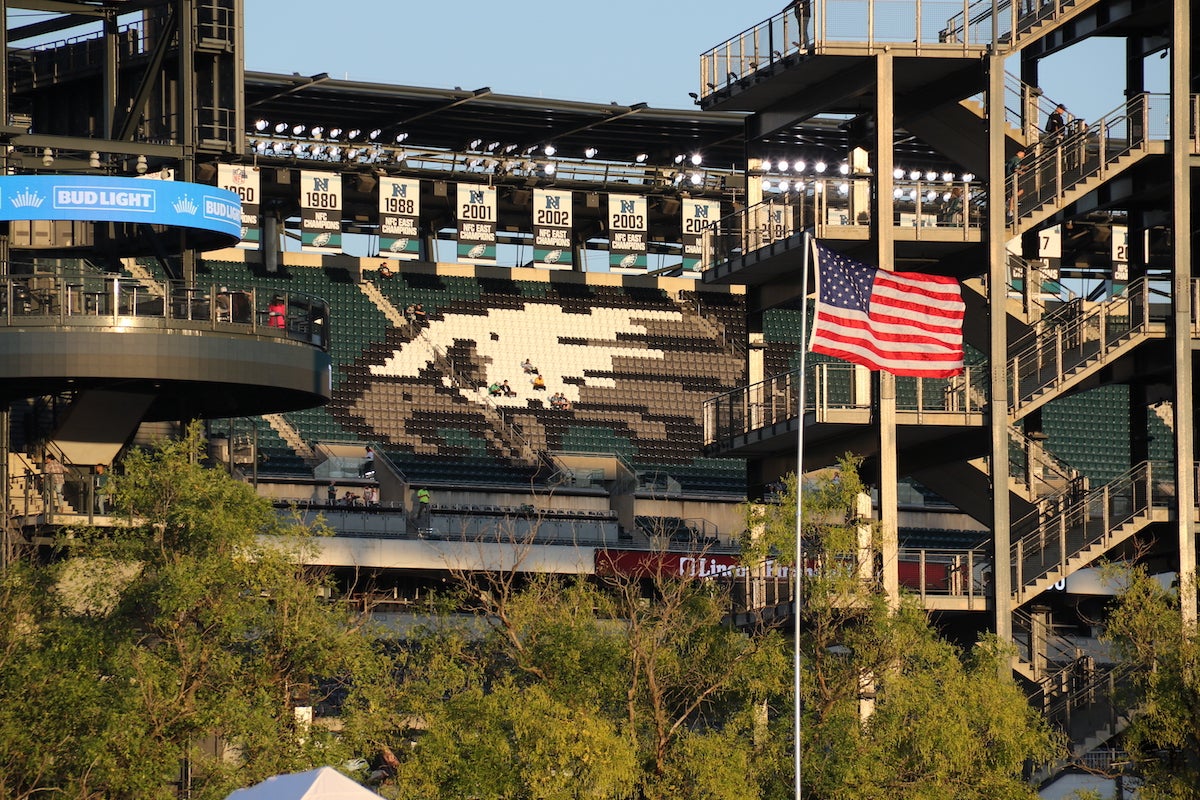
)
(1161, 667)
(573, 690)
(189, 635)
(890, 709)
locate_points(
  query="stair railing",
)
(1046, 358)
(1087, 150)
(1048, 538)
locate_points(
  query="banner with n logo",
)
(476, 212)
(399, 218)
(552, 226)
(627, 234)
(701, 224)
(320, 212)
(245, 183)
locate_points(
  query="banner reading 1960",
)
(320, 212)
(476, 212)
(701, 219)
(399, 215)
(552, 226)
(627, 233)
(245, 183)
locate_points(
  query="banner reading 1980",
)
(701, 219)
(399, 214)
(320, 212)
(627, 233)
(244, 182)
(476, 212)
(552, 225)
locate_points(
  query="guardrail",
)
(105, 300)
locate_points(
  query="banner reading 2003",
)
(476, 213)
(627, 233)
(399, 215)
(320, 212)
(552, 224)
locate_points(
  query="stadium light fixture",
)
(697, 179)
(549, 149)
(508, 148)
(898, 173)
(141, 165)
(931, 176)
(353, 134)
(784, 186)
(799, 166)
(491, 148)
(280, 127)
(261, 124)
(679, 158)
(474, 145)
(697, 159)
(47, 157)
(844, 168)
(335, 133)
(550, 168)
(947, 176)
(915, 175)
(374, 134)
(400, 137)
(298, 129)
(968, 177)
(820, 167)
(641, 158)
(317, 132)
(590, 152)
(94, 160)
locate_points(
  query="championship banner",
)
(552, 225)
(476, 224)
(320, 212)
(701, 224)
(245, 183)
(766, 223)
(627, 234)
(399, 213)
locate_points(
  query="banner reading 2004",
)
(320, 212)
(552, 224)
(399, 215)
(627, 233)
(476, 213)
(700, 223)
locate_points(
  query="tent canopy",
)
(325, 783)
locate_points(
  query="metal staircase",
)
(1065, 169)
(985, 21)
(1060, 357)
(1072, 529)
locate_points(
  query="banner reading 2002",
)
(627, 233)
(320, 212)
(552, 224)
(476, 211)
(399, 215)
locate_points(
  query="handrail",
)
(112, 299)
(834, 387)
(840, 202)
(1045, 540)
(1033, 467)
(1060, 163)
(1025, 106)
(993, 21)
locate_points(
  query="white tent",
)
(325, 783)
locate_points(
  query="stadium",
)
(570, 335)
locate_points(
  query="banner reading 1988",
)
(552, 224)
(701, 220)
(320, 212)
(244, 182)
(476, 212)
(627, 233)
(399, 212)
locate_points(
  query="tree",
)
(1160, 656)
(188, 636)
(571, 688)
(890, 709)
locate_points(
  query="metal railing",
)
(832, 22)
(1046, 358)
(101, 300)
(1047, 539)
(1085, 151)
(1040, 474)
(993, 21)
(835, 387)
(1026, 108)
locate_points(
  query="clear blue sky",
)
(626, 51)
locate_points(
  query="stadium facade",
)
(575, 329)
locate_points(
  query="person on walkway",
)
(423, 499)
(1056, 123)
(55, 475)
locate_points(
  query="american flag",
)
(905, 323)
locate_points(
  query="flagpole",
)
(799, 568)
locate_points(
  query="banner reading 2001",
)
(244, 182)
(476, 213)
(320, 212)
(700, 225)
(552, 224)
(627, 233)
(399, 213)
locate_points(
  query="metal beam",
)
(151, 76)
(85, 145)
(313, 80)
